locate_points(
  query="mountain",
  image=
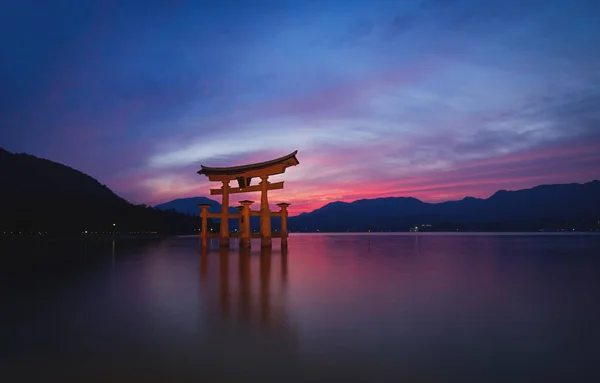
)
(190, 206)
(548, 207)
(38, 195)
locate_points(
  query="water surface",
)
(390, 308)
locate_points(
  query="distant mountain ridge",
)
(190, 206)
(541, 207)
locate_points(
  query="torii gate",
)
(244, 175)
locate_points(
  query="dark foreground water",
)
(393, 308)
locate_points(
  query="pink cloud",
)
(569, 162)
(478, 178)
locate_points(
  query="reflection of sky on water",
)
(391, 307)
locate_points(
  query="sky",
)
(434, 99)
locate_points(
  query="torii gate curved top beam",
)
(267, 168)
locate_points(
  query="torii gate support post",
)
(204, 229)
(240, 220)
(284, 230)
(245, 233)
(265, 213)
(224, 229)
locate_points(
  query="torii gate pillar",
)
(224, 228)
(265, 214)
(284, 230)
(245, 233)
(204, 229)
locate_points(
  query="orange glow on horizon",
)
(306, 190)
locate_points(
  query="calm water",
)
(509, 308)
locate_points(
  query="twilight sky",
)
(435, 99)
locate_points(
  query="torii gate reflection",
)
(237, 299)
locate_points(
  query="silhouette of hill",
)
(190, 206)
(39, 195)
(547, 207)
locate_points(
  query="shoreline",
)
(80, 237)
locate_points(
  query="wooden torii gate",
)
(244, 175)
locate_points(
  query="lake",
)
(423, 307)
